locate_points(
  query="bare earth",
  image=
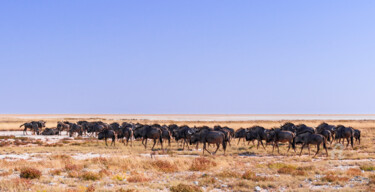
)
(84, 164)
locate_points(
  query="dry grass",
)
(122, 168)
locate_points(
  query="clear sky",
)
(194, 56)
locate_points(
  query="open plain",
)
(64, 163)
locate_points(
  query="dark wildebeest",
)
(32, 126)
(205, 135)
(184, 132)
(288, 126)
(311, 138)
(166, 134)
(74, 128)
(343, 132)
(148, 132)
(61, 126)
(278, 135)
(50, 131)
(326, 133)
(84, 125)
(257, 133)
(302, 128)
(126, 132)
(357, 135)
(226, 131)
(240, 134)
(105, 134)
(96, 127)
(330, 128)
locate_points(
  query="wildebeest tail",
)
(161, 136)
(294, 142)
(22, 125)
(324, 143)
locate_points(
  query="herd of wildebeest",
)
(287, 133)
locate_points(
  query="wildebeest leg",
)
(303, 145)
(308, 147)
(169, 142)
(217, 145)
(204, 147)
(105, 141)
(113, 141)
(347, 139)
(289, 146)
(154, 144)
(317, 149)
(273, 147)
(197, 146)
(239, 141)
(261, 142)
(277, 145)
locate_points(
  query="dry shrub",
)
(88, 175)
(125, 190)
(74, 174)
(280, 165)
(353, 172)
(164, 166)
(229, 174)
(100, 160)
(331, 177)
(55, 171)
(201, 164)
(63, 157)
(185, 188)
(367, 167)
(138, 178)
(372, 179)
(291, 171)
(249, 175)
(6, 173)
(18, 184)
(73, 167)
(30, 173)
(104, 172)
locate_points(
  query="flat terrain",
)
(84, 164)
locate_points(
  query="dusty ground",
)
(83, 164)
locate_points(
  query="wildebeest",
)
(50, 131)
(61, 126)
(326, 126)
(257, 133)
(75, 128)
(107, 133)
(308, 138)
(166, 134)
(343, 132)
(35, 126)
(288, 126)
(84, 125)
(302, 128)
(357, 135)
(96, 127)
(205, 135)
(32, 126)
(126, 131)
(326, 133)
(240, 134)
(184, 132)
(278, 135)
(226, 131)
(147, 132)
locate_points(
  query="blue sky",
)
(187, 57)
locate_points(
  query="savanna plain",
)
(63, 163)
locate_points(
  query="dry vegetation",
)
(84, 164)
